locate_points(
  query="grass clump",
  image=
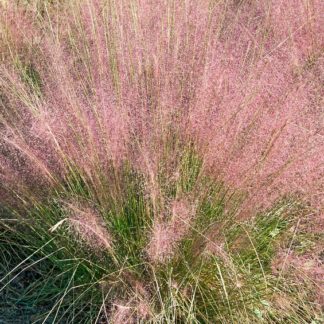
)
(160, 161)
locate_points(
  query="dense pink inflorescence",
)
(87, 224)
(130, 312)
(305, 268)
(166, 234)
(243, 80)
